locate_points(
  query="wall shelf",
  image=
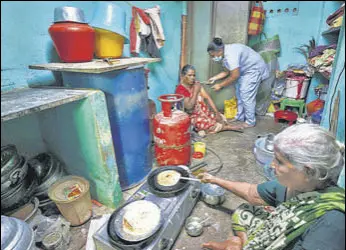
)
(96, 66)
(70, 123)
(331, 31)
(22, 102)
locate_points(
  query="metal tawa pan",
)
(182, 184)
(115, 225)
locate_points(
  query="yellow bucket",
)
(199, 147)
(108, 44)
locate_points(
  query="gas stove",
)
(175, 210)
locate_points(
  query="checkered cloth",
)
(256, 19)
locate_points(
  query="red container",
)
(286, 115)
(172, 133)
(314, 106)
(74, 42)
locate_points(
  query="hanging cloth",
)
(256, 20)
(156, 26)
(138, 22)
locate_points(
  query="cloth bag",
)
(268, 48)
(256, 20)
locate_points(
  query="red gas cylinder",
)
(74, 42)
(172, 132)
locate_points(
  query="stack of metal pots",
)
(22, 180)
(48, 169)
(18, 180)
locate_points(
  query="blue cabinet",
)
(127, 102)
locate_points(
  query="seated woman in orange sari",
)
(202, 118)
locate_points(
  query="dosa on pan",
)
(168, 178)
(141, 217)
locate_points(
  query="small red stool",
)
(286, 115)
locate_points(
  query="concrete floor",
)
(235, 149)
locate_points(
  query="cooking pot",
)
(9, 158)
(269, 142)
(16, 175)
(68, 14)
(212, 194)
(20, 194)
(194, 226)
(16, 234)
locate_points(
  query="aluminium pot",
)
(194, 226)
(10, 160)
(16, 234)
(55, 174)
(20, 194)
(212, 194)
(16, 175)
(69, 14)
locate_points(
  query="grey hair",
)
(215, 45)
(311, 145)
(186, 69)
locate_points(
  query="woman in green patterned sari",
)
(304, 209)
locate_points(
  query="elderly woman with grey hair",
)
(304, 209)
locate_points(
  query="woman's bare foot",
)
(246, 125)
(236, 127)
(234, 243)
(232, 120)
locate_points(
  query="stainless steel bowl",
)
(213, 194)
(68, 14)
(194, 226)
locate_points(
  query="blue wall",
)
(25, 40)
(337, 83)
(297, 28)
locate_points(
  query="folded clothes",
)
(339, 12)
(320, 49)
(337, 22)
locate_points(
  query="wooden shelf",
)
(96, 66)
(331, 31)
(22, 102)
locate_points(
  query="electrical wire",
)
(334, 92)
(216, 170)
(219, 168)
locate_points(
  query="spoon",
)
(190, 179)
